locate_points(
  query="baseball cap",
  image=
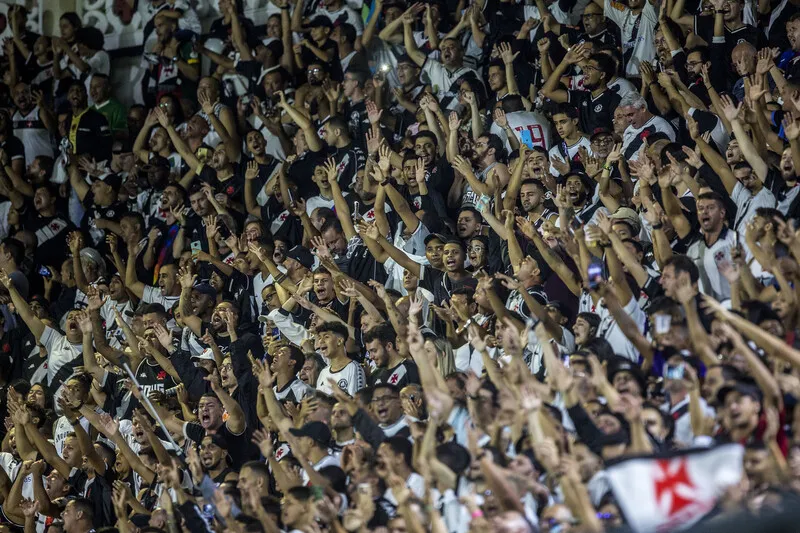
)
(302, 255)
(600, 131)
(432, 236)
(113, 180)
(317, 431)
(626, 214)
(320, 21)
(745, 388)
(206, 288)
(623, 365)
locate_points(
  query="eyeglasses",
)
(314, 71)
(383, 399)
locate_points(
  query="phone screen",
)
(526, 138)
(595, 274)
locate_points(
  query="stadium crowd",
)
(443, 266)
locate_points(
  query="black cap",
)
(624, 365)
(206, 288)
(745, 388)
(317, 431)
(600, 131)
(302, 255)
(112, 180)
(320, 21)
(432, 236)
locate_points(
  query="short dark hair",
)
(46, 163)
(384, 333)
(682, 263)
(331, 223)
(713, 195)
(606, 65)
(86, 507)
(90, 37)
(333, 327)
(302, 494)
(593, 319)
(349, 32)
(260, 469)
(401, 446)
(535, 182)
(493, 141)
(359, 76)
(155, 308)
(512, 103)
(338, 123)
(426, 133)
(566, 109)
(299, 358)
(16, 248)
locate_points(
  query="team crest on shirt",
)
(110, 213)
(342, 384)
(598, 108)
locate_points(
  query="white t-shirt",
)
(610, 330)
(560, 148)
(526, 121)
(61, 354)
(153, 295)
(643, 46)
(350, 379)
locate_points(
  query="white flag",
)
(664, 493)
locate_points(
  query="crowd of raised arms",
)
(457, 266)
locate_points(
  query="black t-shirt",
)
(93, 136)
(51, 234)
(595, 112)
(13, 148)
(349, 160)
(302, 170)
(357, 122)
(401, 375)
(240, 448)
(98, 491)
(195, 230)
(280, 222)
(334, 66)
(113, 212)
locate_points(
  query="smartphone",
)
(44, 271)
(526, 138)
(595, 274)
(223, 230)
(576, 223)
(196, 247)
(276, 333)
(674, 371)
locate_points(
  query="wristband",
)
(608, 167)
(657, 226)
(477, 514)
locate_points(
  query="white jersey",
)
(638, 33)
(350, 379)
(523, 124)
(567, 152)
(35, 138)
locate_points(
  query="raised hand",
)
(506, 54)
(186, 278)
(729, 109)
